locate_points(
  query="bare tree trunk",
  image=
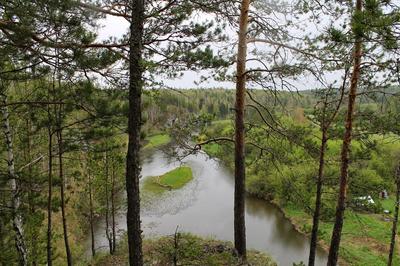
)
(50, 193)
(62, 180)
(326, 122)
(91, 213)
(240, 173)
(114, 242)
(110, 244)
(341, 204)
(31, 204)
(395, 218)
(314, 232)
(134, 126)
(14, 187)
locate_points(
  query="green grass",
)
(157, 141)
(365, 237)
(388, 204)
(191, 250)
(174, 179)
(177, 178)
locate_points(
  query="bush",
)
(364, 182)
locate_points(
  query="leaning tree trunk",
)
(318, 196)
(341, 204)
(14, 187)
(395, 218)
(62, 192)
(240, 173)
(134, 126)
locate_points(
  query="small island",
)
(173, 179)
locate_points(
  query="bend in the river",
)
(205, 207)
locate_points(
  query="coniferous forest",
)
(204, 132)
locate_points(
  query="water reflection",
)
(205, 207)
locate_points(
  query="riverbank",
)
(365, 237)
(204, 207)
(184, 249)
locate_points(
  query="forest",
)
(202, 132)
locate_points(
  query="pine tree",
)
(239, 212)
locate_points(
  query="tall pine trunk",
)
(345, 153)
(17, 221)
(240, 173)
(318, 196)
(134, 126)
(62, 191)
(395, 218)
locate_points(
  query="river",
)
(205, 207)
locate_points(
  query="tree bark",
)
(91, 216)
(50, 193)
(240, 173)
(114, 241)
(317, 211)
(395, 218)
(134, 126)
(62, 192)
(110, 244)
(341, 204)
(17, 220)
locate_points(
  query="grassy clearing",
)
(365, 237)
(191, 250)
(156, 141)
(174, 179)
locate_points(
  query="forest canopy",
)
(303, 113)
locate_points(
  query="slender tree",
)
(327, 119)
(107, 198)
(31, 195)
(62, 189)
(91, 211)
(345, 152)
(50, 188)
(395, 218)
(113, 229)
(14, 186)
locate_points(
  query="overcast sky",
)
(116, 26)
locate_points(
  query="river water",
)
(205, 207)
